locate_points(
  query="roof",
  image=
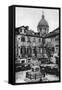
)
(28, 31)
(36, 34)
(53, 33)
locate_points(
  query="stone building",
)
(33, 44)
(27, 43)
(53, 39)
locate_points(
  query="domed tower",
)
(43, 26)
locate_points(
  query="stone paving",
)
(21, 76)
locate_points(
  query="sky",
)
(31, 17)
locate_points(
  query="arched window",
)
(28, 39)
(23, 51)
(35, 51)
(23, 39)
(29, 51)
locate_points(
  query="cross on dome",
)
(42, 14)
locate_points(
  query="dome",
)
(43, 22)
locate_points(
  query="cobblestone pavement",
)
(20, 76)
(52, 77)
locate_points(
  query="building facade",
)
(28, 43)
(53, 39)
(33, 44)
